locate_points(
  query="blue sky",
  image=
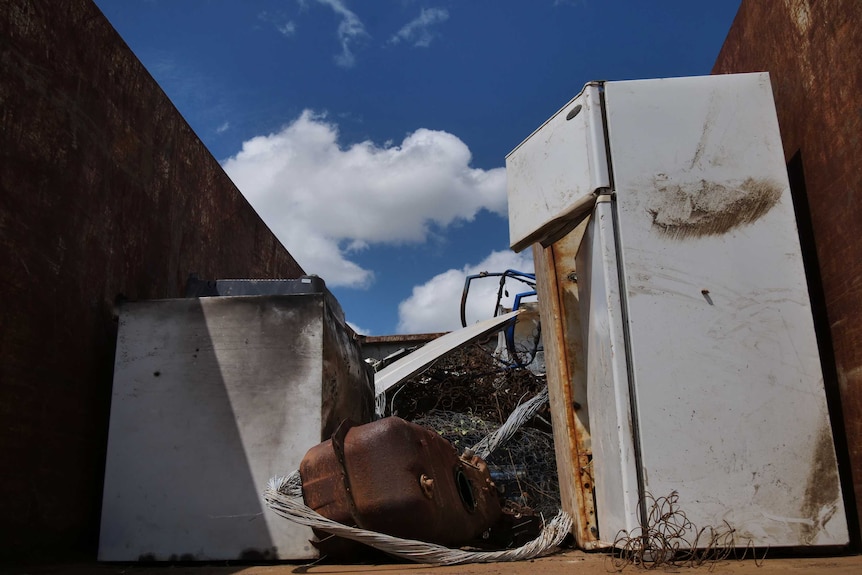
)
(371, 135)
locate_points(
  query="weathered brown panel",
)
(813, 52)
(557, 288)
(105, 192)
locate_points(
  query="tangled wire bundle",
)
(469, 380)
(284, 496)
(527, 459)
(467, 395)
(670, 539)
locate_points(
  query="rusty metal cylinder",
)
(399, 478)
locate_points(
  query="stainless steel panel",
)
(212, 397)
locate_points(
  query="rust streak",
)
(555, 267)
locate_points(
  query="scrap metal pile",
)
(470, 475)
(449, 472)
(467, 395)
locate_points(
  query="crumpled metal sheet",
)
(412, 364)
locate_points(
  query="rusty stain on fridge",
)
(556, 284)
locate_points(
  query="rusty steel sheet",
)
(106, 194)
(402, 479)
(556, 282)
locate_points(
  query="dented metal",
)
(412, 364)
(692, 322)
(398, 478)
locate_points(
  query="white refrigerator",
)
(702, 368)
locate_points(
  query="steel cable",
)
(284, 496)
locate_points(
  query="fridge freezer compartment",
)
(552, 176)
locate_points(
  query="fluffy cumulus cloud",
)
(418, 31)
(325, 201)
(435, 305)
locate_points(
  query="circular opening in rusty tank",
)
(465, 490)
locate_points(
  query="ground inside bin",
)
(565, 563)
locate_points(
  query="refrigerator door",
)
(728, 403)
(556, 169)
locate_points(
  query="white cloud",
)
(223, 128)
(435, 305)
(417, 30)
(350, 29)
(287, 29)
(326, 202)
(358, 330)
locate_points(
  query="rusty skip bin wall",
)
(105, 191)
(813, 52)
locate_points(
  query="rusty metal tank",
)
(399, 478)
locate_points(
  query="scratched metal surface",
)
(813, 51)
(211, 398)
(727, 388)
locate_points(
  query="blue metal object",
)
(527, 278)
